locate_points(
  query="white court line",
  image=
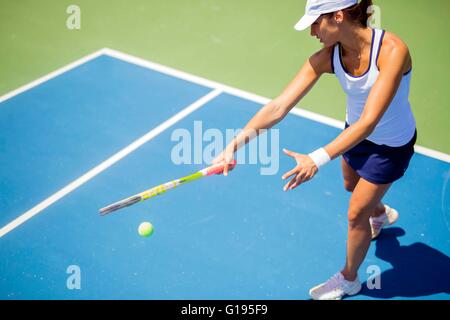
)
(52, 75)
(109, 162)
(219, 88)
(216, 85)
(248, 96)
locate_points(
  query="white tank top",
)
(397, 126)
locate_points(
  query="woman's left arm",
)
(395, 58)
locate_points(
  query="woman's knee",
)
(364, 202)
(358, 216)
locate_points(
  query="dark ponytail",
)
(358, 13)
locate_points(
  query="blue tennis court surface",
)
(235, 237)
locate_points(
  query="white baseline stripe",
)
(51, 75)
(109, 162)
(248, 96)
(175, 73)
(433, 153)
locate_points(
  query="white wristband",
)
(320, 157)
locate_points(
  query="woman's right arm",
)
(277, 109)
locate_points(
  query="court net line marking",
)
(109, 162)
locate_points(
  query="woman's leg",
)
(364, 201)
(351, 179)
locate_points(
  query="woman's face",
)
(326, 30)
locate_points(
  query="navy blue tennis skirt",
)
(380, 164)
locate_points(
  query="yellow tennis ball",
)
(145, 229)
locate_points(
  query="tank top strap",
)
(335, 61)
(377, 43)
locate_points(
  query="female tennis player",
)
(374, 70)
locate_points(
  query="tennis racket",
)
(162, 188)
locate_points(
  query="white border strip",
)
(212, 84)
(201, 81)
(433, 153)
(109, 162)
(218, 89)
(52, 75)
(248, 96)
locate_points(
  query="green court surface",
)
(248, 44)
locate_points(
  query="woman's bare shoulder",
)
(321, 60)
(393, 44)
(392, 41)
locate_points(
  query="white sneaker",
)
(335, 288)
(387, 219)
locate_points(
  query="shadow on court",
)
(418, 270)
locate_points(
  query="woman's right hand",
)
(226, 157)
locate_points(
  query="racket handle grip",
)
(119, 205)
(218, 169)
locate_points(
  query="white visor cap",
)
(315, 8)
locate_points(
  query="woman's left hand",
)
(305, 170)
